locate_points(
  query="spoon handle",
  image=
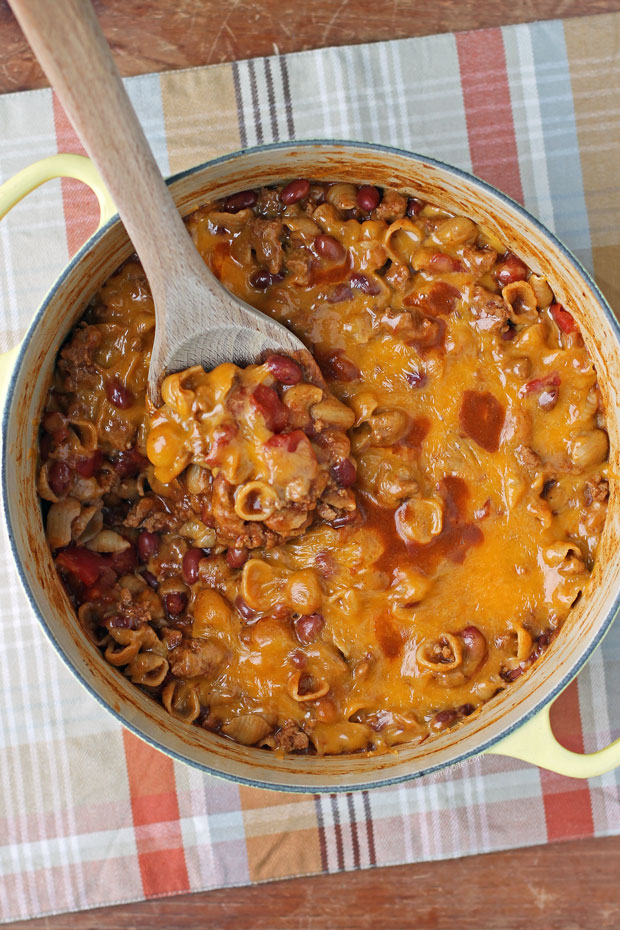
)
(75, 56)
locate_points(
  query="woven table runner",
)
(90, 815)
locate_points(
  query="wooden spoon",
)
(197, 320)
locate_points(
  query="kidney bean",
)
(125, 562)
(56, 425)
(59, 478)
(328, 247)
(339, 294)
(415, 378)
(87, 466)
(236, 558)
(337, 367)
(128, 464)
(298, 658)
(148, 545)
(240, 201)
(344, 473)
(121, 622)
(295, 191)
(244, 610)
(441, 263)
(365, 284)
(368, 197)
(189, 566)
(510, 269)
(119, 395)
(414, 206)
(564, 320)
(548, 398)
(269, 405)
(465, 710)
(308, 627)
(513, 674)
(175, 603)
(509, 333)
(443, 719)
(151, 580)
(45, 446)
(262, 279)
(284, 369)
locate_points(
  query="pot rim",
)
(23, 575)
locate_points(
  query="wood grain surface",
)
(156, 35)
(567, 886)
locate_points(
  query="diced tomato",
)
(565, 320)
(83, 563)
(541, 384)
(271, 408)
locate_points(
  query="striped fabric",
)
(89, 815)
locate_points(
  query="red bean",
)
(190, 565)
(244, 610)
(344, 518)
(236, 558)
(56, 425)
(548, 398)
(308, 627)
(328, 247)
(121, 622)
(513, 674)
(240, 201)
(45, 446)
(365, 284)
(128, 464)
(119, 395)
(337, 367)
(87, 466)
(151, 580)
(284, 369)
(269, 405)
(339, 294)
(260, 280)
(59, 478)
(124, 562)
(414, 206)
(148, 545)
(295, 191)
(368, 197)
(441, 263)
(465, 710)
(298, 658)
(443, 719)
(175, 603)
(344, 473)
(510, 269)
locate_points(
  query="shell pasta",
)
(351, 550)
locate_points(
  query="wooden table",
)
(569, 886)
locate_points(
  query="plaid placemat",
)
(89, 815)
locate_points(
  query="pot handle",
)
(534, 742)
(16, 188)
(57, 166)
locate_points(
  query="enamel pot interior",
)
(65, 304)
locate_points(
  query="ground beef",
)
(527, 457)
(490, 310)
(596, 490)
(76, 363)
(290, 738)
(131, 614)
(398, 277)
(393, 206)
(196, 659)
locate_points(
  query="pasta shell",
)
(59, 520)
(88, 524)
(147, 669)
(108, 541)
(247, 729)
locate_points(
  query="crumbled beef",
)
(196, 658)
(490, 310)
(596, 490)
(393, 206)
(398, 276)
(265, 238)
(147, 514)
(290, 738)
(298, 266)
(76, 362)
(130, 613)
(527, 457)
(231, 529)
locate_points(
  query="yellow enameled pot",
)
(516, 722)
